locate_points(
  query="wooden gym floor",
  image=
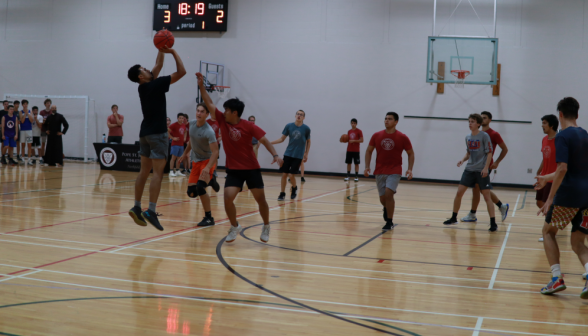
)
(74, 263)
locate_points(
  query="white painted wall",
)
(336, 59)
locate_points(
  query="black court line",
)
(365, 243)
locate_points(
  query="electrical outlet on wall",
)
(530, 171)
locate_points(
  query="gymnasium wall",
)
(335, 59)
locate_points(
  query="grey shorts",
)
(471, 178)
(154, 146)
(387, 181)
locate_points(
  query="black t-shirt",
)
(154, 106)
(2, 114)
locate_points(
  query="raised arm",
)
(205, 96)
(158, 64)
(410, 153)
(270, 148)
(180, 70)
(280, 140)
(368, 160)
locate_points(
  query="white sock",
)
(586, 267)
(556, 271)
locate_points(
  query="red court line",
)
(165, 234)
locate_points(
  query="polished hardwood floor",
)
(72, 262)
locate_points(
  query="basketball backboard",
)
(478, 55)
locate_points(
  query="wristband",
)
(276, 155)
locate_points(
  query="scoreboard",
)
(177, 15)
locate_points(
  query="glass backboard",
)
(478, 55)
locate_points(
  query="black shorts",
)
(471, 178)
(352, 156)
(236, 178)
(560, 217)
(543, 194)
(36, 142)
(291, 165)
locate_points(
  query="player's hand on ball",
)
(366, 172)
(541, 182)
(409, 174)
(166, 50)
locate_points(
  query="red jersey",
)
(496, 140)
(354, 134)
(548, 150)
(389, 149)
(237, 140)
(215, 128)
(178, 130)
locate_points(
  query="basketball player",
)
(16, 104)
(389, 145)
(478, 157)
(3, 112)
(496, 140)
(242, 165)
(568, 199)
(177, 131)
(296, 153)
(9, 135)
(355, 138)
(26, 130)
(219, 138)
(549, 123)
(153, 136)
(204, 148)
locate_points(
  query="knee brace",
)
(192, 191)
(201, 188)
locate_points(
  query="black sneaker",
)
(302, 179)
(41, 161)
(33, 161)
(12, 162)
(282, 196)
(294, 192)
(3, 160)
(214, 184)
(151, 217)
(385, 214)
(389, 226)
(206, 221)
(450, 221)
(135, 214)
(493, 227)
(18, 158)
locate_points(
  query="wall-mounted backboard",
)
(478, 55)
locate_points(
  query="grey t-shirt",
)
(478, 146)
(200, 139)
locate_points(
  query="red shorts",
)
(197, 168)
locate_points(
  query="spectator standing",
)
(115, 122)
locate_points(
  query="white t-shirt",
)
(36, 129)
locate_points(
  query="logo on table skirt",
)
(296, 135)
(352, 136)
(387, 144)
(235, 134)
(108, 157)
(547, 152)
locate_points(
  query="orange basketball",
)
(163, 38)
(344, 138)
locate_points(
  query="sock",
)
(389, 220)
(473, 211)
(152, 206)
(499, 204)
(138, 204)
(556, 271)
(208, 214)
(492, 220)
(586, 267)
(454, 216)
(348, 173)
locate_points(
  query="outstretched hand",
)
(200, 79)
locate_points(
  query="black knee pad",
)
(201, 187)
(193, 191)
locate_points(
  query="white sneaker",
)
(541, 239)
(346, 179)
(504, 211)
(584, 276)
(265, 233)
(470, 218)
(356, 179)
(30, 162)
(233, 232)
(172, 173)
(179, 173)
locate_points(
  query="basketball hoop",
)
(222, 91)
(460, 77)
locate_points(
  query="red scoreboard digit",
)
(190, 15)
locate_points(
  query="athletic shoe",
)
(3, 160)
(151, 217)
(34, 162)
(493, 227)
(584, 294)
(18, 158)
(346, 179)
(585, 276)
(12, 162)
(385, 214)
(294, 192)
(41, 162)
(471, 217)
(206, 221)
(135, 214)
(387, 227)
(265, 233)
(450, 221)
(179, 173)
(184, 172)
(555, 285)
(282, 196)
(233, 232)
(214, 184)
(30, 162)
(504, 211)
(356, 179)
(302, 180)
(541, 239)
(172, 173)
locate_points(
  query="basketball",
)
(344, 138)
(163, 38)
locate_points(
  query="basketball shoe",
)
(265, 233)
(151, 217)
(233, 233)
(555, 285)
(206, 221)
(346, 179)
(282, 196)
(3, 160)
(135, 214)
(294, 192)
(504, 211)
(584, 294)
(471, 217)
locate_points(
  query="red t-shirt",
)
(389, 149)
(115, 131)
(354, 135)
(548, 150)
(177, 130)
(215, 128)
(496, 140)
(237, 142)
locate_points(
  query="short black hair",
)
(5, 101)
(186, 116)
(476, 117)
(113, 106)
(180, 115)
(235, 105)
(394, 114)
(16, 102)
(569, 108)
(302, 112)
(488, 114)
(47, 100)
(551, 121)
(24, 101)
(252, 116)
(9, 106)
(354, 120)
(204, 106)
(134, 73)
(35, 108)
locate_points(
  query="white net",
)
(459, 83)
(73, 108)
(222, 93)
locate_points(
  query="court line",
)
(10, 277)
(497, 266)
(366, 242)
(516, 205)
(478, 326)
(524, 200)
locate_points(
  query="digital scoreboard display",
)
(176, 15)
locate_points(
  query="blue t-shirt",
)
(571, 147)
(26, 125)
(298, 137)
